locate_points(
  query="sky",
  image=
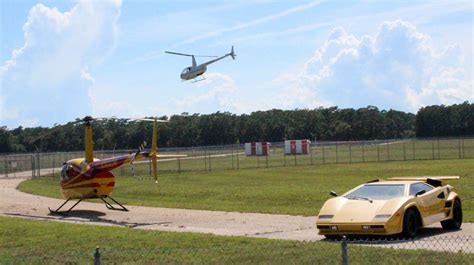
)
(62, 60)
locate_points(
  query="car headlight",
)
(382, 216)
(326, 216)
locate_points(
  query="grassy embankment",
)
(296, 190)
(39, 242)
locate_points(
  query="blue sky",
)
(66, 59)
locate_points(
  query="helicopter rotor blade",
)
(69, 124)
(211, 56)
(177, 53)
(146, 119)
(185, 54)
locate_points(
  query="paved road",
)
(275, 226)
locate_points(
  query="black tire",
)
(456, 222)
(410, 224)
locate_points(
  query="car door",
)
(431, 202)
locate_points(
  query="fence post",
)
(33, 169)
(232, 154)
(350, 153)
(295, 159)
(179, 165)
(97, 256)
(414, 157)
(459, 148)
(266, 159)
(324, 157)
(378, 152)
(404, 152)
(311, 153)
(462, 142)
(178, 161)
(388, 150)
(432, 151)
(344, 250)
(438, 151)
(209, 161)
(6, 167)
(363, 151)
(238, 164)
(38, 164)
(337, 156)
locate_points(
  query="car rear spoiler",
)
(432, 180)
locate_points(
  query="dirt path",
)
(275, 226)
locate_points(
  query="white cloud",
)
(221, 90)
(86, 75)
(46, 80)
(397, 68)
(223, 94)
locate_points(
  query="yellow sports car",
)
(399, 205)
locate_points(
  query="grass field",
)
(39, 242)
(296, 190)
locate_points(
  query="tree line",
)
(186, 130)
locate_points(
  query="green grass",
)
(39, 242)
(296, 190)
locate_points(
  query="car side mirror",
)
(420, 193)
(333, 193)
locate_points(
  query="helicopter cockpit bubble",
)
(186, 70)
(64, 171)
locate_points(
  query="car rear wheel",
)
(410, 224)
(456, 222)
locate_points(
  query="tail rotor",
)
(232, 53)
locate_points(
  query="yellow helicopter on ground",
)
(91, 178)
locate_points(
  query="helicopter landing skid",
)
(111, 207)
(198, 80)
(58, 212)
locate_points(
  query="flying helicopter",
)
(90, 178)
(195, 70)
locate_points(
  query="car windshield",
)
(377, 192)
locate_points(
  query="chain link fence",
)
(232, 157)
(430, 250)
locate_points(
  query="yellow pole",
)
(89, 144)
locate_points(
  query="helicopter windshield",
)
(64, 171)
(186, 70)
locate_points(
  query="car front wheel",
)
(410, 224)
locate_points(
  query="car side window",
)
(417, 187)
